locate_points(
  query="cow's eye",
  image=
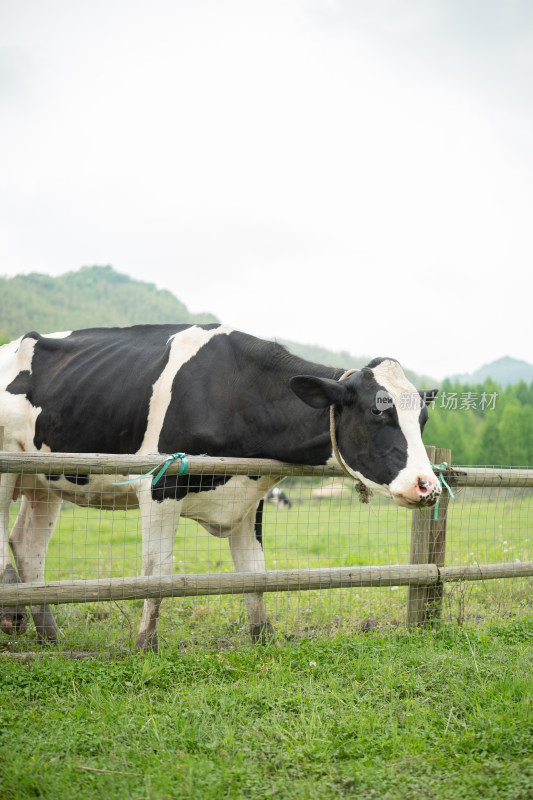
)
(377, 412)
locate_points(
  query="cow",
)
(199, 389)
(278, 498)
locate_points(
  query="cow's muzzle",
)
(425, 491)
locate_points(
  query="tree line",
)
(483, 424)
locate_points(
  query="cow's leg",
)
(159, 523)
(247, 553)
(12, 619)
(29, 542)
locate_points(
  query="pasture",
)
(439, 714)
(342, 703)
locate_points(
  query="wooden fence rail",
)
(282, 580)
(109, 464)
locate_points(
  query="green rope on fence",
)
(443, 482)
(162, 467)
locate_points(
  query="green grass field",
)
(326, 710)
(441, 714)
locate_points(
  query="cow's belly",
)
(219, 509)
(97, 491)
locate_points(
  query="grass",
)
(324, 711)
(434, 714)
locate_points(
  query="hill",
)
(89, 297)
(503, 371)
(100, 296)
(341, 358)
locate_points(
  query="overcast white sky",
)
(352, 174)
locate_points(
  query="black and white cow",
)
(278, 498)
(201, 389)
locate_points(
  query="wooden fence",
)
(425, 575)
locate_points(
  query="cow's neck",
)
(306, 442)
(293, 431)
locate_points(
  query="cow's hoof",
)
(261, 632)
(147, 643)
(45, 624)
(13, 621)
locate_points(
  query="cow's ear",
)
(317, 392)
(428, 395)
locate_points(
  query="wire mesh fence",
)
(316, 524)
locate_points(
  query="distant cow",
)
(278, 498)
(201, 389)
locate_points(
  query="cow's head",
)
(379, 417)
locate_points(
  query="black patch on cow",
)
(175, 487)
(21, 384)
(428, 395)
(423, 417)
(377, 361)
(32, 335)
(79, 480)
(258, 525)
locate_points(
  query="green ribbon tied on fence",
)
(439, 468)
(162, 467)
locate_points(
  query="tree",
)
(514, 442)
(489, 449)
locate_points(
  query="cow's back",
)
(82, 391)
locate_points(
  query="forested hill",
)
(504, 371)
(90, 297)
(99, 296)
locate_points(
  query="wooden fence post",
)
(420, 549)
(437, 553)
(428, 546)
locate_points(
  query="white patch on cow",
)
(248, 556)
(220, 509)
(380, 488)
(31, 534)
(10, 363)
(58, 335)
(17, 414)
(185, 345)
(390, 375)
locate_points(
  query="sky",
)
(357, 175)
